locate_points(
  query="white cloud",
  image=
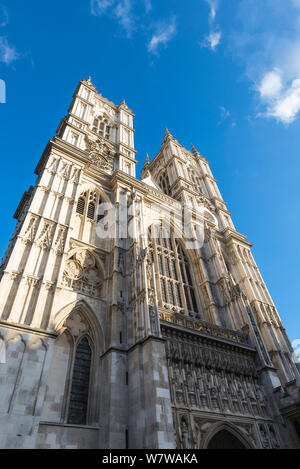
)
(126, 12)
(8, 53)
(121, 10)
(212, 40)
(226, 115)
(266, 39)
(284, 106)
(3, 16)
(163, 34)
(271, 84)
(99, 7)
(213, 4)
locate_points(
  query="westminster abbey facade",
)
(132, 312)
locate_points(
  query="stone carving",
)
(30, 231)
(46, 236)
(32, 281)
(50, 286)
(205, 374)
(153, 323)
(100, 153)
(75, 177)
(60, 240)
(264, 437)
(16, 276)
(65, 170)
(52, 168)
(185, 438)
(274, 441)
(82, 273)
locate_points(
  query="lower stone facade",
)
(184, 390)
(215, 384)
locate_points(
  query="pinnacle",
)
(147, 162)
(167, 133)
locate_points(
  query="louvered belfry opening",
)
(80, 206)
(91, 211)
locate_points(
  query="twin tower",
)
(132, 313)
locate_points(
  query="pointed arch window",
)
(175, 278)
(79, 396)
(101, 127)
(164, 183)
(87, 204)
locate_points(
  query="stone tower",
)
(122, 326)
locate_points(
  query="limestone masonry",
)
(121, 326)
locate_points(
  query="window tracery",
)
(164, 183)
(87, 203)
(175, 280)
(101, 127)
(82, 273)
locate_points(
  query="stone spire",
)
(145, 170)
(196, 153)
(168, 136)
(167, 133)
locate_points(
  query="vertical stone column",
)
(150, 412)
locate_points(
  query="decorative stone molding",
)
(101, 153)
(33, 281)
(30, 231)
(46, 235)
(82, 273)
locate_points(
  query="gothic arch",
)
(84, 309)
(97, 258)
(84, 272)
(95, 187)
(164, 182)
(77, 321)
(92, 204)
(234, 432)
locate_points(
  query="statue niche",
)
(83, 274)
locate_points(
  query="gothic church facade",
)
(110, 340)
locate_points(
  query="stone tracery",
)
(82, 273)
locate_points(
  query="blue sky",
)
(223, 75)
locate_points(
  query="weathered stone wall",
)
(150, 415)
(59, 436)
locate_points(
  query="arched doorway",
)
(225, 440)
